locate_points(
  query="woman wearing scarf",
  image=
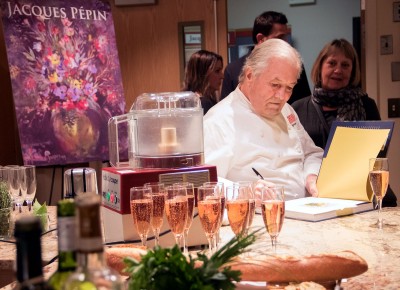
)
(336, 96)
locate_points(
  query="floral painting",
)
(65, 76)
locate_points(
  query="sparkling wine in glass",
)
(379, 180)
(176, 210)
(237, 206)
(273, 211)
(158, 195)
(252, 201)
(190, 197)
(141, 210)
(219, 190)
(28, 184)
(209, 207)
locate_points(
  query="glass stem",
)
(178, 240)
(185, 246)
(156, 237)
(144, 240)
(274, 240)
(380, 219)
(210, 245)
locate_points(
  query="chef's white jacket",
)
(237, 139)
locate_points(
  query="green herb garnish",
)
(5, 198)
(168, 268)
(40, 210)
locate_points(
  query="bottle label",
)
(90, 234)
(66, 233)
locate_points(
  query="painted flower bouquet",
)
(66, 82)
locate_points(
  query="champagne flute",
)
(209, 207)
(219, 190)
(273, 211)
(14, 181)
(28, 184)
(237, 205)
(158, 196)
(252, 202)
(379, 180)
(190, 197)
(176, 210)
(141, 210)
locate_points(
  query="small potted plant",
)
(5, 210)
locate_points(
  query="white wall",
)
(379, 84)
(312, 25)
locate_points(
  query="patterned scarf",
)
(347, 100)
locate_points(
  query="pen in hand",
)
(257, 173)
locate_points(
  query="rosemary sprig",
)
(166, 268)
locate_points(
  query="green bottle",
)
(66, 243)
(92, 272)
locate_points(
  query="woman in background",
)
(336, 96)
(204, 75)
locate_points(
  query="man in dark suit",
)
(269, 24)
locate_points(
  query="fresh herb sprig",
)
(166, 268)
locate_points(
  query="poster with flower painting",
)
(65, 76)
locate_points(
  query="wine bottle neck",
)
(29, 259)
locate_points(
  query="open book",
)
(318, 208)
(343, 183)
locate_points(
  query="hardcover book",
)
(318, 208)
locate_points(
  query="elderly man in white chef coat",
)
(254, 127)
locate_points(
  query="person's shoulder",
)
(303, 102)
(367, 99)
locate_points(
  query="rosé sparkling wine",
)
(141, 210)
(237, 214)
(273, 213)
(209, 213)
(176, 210)
(189, 220)
(158, 210)
(379, 180)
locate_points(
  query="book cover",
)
(317, 208)
(65, 77)
(361, 125)
(344, 171)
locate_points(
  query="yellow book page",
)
(344, 171)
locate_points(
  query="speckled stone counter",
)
(357, 233)
(380, 248)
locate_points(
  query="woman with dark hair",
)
(204, 75)
(336, 96)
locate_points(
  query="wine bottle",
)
(27, 233)
(92, 271)
(66, 243)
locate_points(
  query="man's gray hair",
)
(272, 48)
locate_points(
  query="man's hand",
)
(311, 185)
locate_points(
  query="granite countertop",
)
(357, 233)
(380, 248)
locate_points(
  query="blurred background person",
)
(336, 96)
(268, 25)
(203, 76)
